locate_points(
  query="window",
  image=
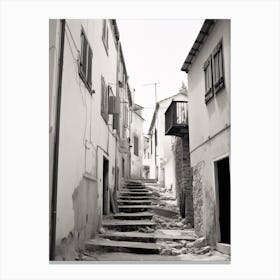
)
(208, 79)
(218, 68)
(85, 69)
(214, 72)
(136, 147)
(104, 100)
(105, 35)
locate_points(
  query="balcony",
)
(176, 118)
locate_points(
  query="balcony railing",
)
(176, 118)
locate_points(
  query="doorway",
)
(105, 186)
(223, 189)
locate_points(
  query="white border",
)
(254, 131)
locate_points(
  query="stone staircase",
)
(135, 203)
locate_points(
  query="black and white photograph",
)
(139, 139)
(140, 158)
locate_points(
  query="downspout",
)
(56, 146)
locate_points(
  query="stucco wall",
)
(209, 126)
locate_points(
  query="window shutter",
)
(106, 103)
(102, 95)
(218, 67)
(89, 66)
(84, 55)
(114, 105)
(104, 30)
(208, 79)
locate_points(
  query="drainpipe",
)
(56, 146)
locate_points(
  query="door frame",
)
(106, 194)
(216, 193)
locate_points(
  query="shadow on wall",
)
(87, 220)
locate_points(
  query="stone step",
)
(135, 208)
(134, 183)
(129, 197)
(127, 225)
(135, 193)
(135, 202)
(105, 245)
(145, 237)
(134, 190)
(133, 216)
(135, 186)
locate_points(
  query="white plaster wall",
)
(84, 136)
(206, 120)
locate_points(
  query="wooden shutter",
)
(89, 67)
(208, 79)
(218, 67)
(84, 55)
(114, 105)
(104, 30)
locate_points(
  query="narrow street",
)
(139, 233)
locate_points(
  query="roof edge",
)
(204, 32)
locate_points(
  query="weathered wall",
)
(209, 126)
(184, 178)
(205, 201)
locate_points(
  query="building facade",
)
(208, 68)
(89, 128)
(136, 140)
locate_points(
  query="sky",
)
(154, 52)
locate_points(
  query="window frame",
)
(85, 67)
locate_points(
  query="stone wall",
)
(184, 179)
(198, 198)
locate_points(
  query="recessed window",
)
(85, 69)
(104, 100)
(214, 72)
(105, 35)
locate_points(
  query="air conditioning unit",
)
(114, 105)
